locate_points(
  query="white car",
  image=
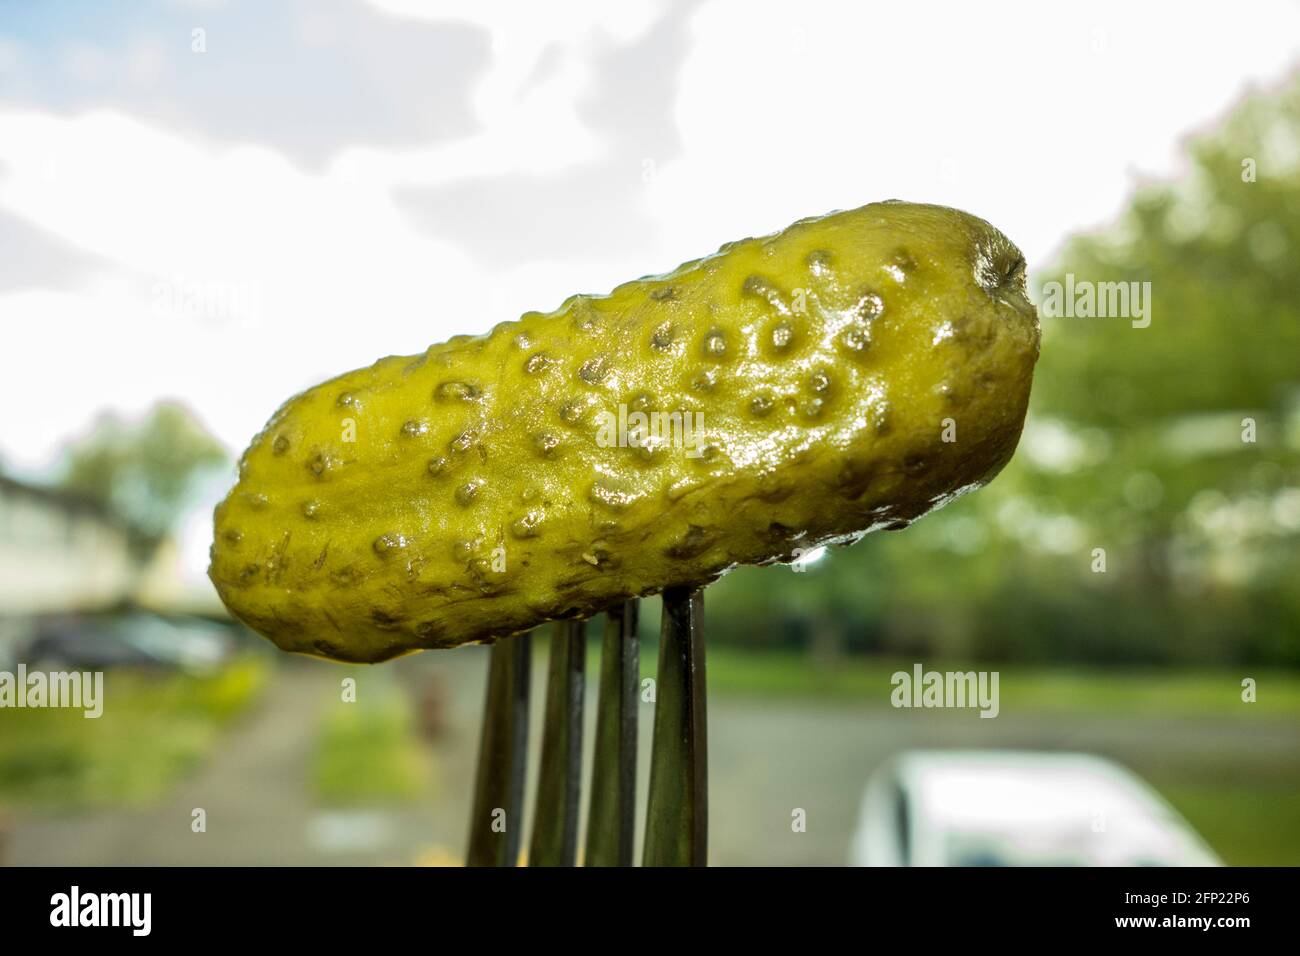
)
(1018, 808)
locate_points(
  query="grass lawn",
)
(1247, 824)
(1084, 690)
(368, 750)
(155, 728)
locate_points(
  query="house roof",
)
(61, 498)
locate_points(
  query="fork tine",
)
(503, 751)
(677, 818)
(559, 782)
(611, 823)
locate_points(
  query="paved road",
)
(766, 759)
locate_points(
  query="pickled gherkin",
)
(847, 374)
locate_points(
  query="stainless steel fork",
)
(677, 810)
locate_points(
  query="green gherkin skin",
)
(847, 374)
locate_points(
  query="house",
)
(58, 553)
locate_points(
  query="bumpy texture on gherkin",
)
(851, 373)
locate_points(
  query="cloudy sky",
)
(225, 202)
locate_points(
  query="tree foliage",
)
(142, 473)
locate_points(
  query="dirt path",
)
(254, 791)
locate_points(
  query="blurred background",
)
(208, 206)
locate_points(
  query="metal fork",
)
(677, 808)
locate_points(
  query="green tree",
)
(141, 473)
(1196, 466)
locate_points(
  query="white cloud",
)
(1032, 115)
(1035, 117)
(341, 277)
